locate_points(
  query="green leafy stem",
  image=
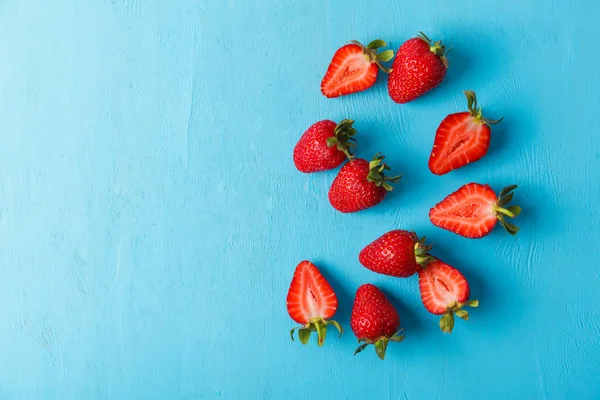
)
(447, 320)
(318, 325)
(370, 53)
(380, 344)
(503, 210)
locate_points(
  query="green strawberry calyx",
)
(475, 110)
(438, 48)
(447, 320)
(421, 252)
(318, 325)
(380, 344)
(376, 173)
(343, 138)
(370, 53)
(503, 210)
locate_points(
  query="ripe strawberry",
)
(420, 66)
(310, 302)
(354, 68)
(324, 146)
(374, 320)
(473, 211)
(461, 138)
(396, 253)
(360, 184)
(444, 291)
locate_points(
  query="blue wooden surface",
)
(151, 216)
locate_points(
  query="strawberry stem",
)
(438, 48)
(343, 138)
(371, 55)
(380, 344)
(421, 255)
(447, 320)
(318, 325)
(503, 210)
(376, 173)
(476, 111)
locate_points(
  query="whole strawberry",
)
(419, 66)
(325, 145)
(354, 68)
(396, 253)
(374, 320)
(444, 291)
(311, 302)
(360, 184)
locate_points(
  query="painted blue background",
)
(151, 216)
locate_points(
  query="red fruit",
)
(310, 302)
(444, 291)
(420, 66)
(360, 184)
(396, 253)
(461, 138)
(374, 320)
(354, 68)
(473, 211)
(324, 146)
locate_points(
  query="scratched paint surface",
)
(151, 216)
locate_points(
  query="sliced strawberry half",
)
(311, 302)
(354, 68)
(473, 211)
(444, 291)
(461, 138)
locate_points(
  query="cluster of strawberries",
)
(472, 211)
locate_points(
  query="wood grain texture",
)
(151, 216)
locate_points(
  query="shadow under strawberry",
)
(410, 320)
(503, 136)
(466, 62)
(339, 284)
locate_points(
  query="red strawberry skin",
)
(442, 285)
(373, 316)
(311, 153)
(415, 71)
(468, 212)
(350, 190)
(459, 140)
(310, 296)
(392, 254)
(349, 72)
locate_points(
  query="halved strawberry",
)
(310, 302)
(461, 138)
(473, 211)
(444, 291)
(354, 68)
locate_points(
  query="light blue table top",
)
(151, 216)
